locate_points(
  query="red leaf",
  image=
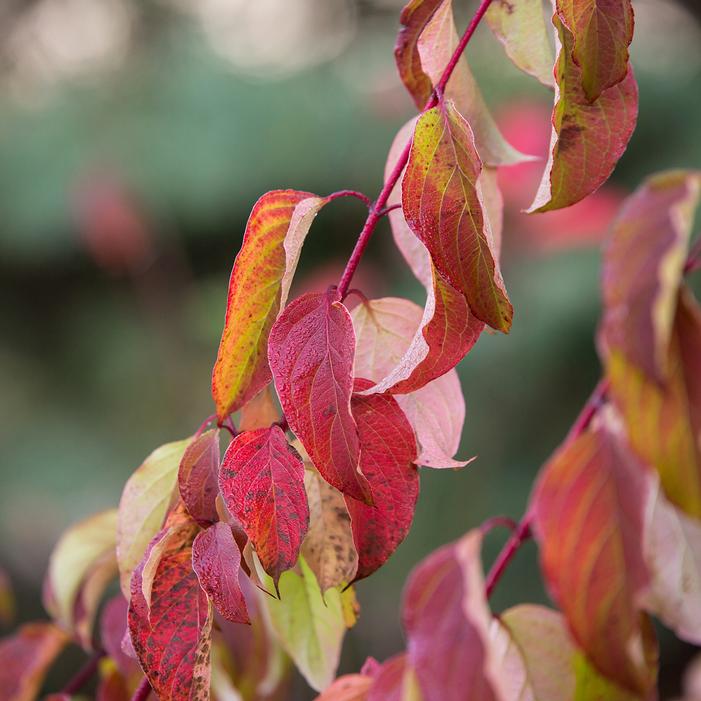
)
(443, 205)
(197, 477)
(588, 517)
(311, 355)
(113, 628)
(172, 636)
(387, 457)
(25, 657)
(447, 621)
(262, 483)
(588, 138)
(216, 560)
(258, 289)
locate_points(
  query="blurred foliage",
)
(123, 197)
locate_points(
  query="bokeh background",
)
(135, 135)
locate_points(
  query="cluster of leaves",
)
(231, 566)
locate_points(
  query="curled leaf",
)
(197, 477)
(262, 482)
(258, 288)
(588, 138)
(311, 355)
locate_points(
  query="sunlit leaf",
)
(172, 636)
(82, 564)
(447, 621)
(328, 547)
(588, 516)
(216, 560)
(145, 500)
(384, 329)
(387, 459)
(672, 546)
(262, 483)
(520, 26)
(258, 288)
(442, 203)
(25, 657)
(311, 355)
(197, 477)
(602, 31)
(310, 626)
(588, 138)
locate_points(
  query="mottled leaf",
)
(588, 516)
(643, 268)
(262, 482)
(309, 626)
(25, 657)
(197, 477)
(672, 547)
(172, 636)
(447, 621)
(520, 26)
(216, 560)
(602, 31)
(424, 47)
(664, 421)
(442, 203)
(384, 329)
(258, 289)
(145, 500)
(387, 457)
(328, 547)
(311, 355)
(588, 138)
(81, 566)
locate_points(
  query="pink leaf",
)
(311, 355)
(216, 560)
(197, 477)
(262, 483)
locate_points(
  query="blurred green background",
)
(134, 138)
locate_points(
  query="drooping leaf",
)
(171, 637)
(259, 412)
(142, 508)
(643, 269)
(258, 288)
(602, 32)
(672, 547)
(262, 482)
(520, 26)
(197, 477)
(447, 621)
(384, 329)
(113, 628)
(424, 47)
(588, 516)
(448, 330)
(588, 138)
(664, 421)
(442, 203)
(216, 560)
(82, 564)
(395, 680)
(25, 657)
(311, 355)
(387, 459)
(328, 548)
(309, 626)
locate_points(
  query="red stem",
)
(693, 262)
(350, 193)
(204, 425)
(142, 691)
(496, 521)
(523, 532)
(378, 209)
(83, 675)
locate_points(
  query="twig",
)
(84, 674)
